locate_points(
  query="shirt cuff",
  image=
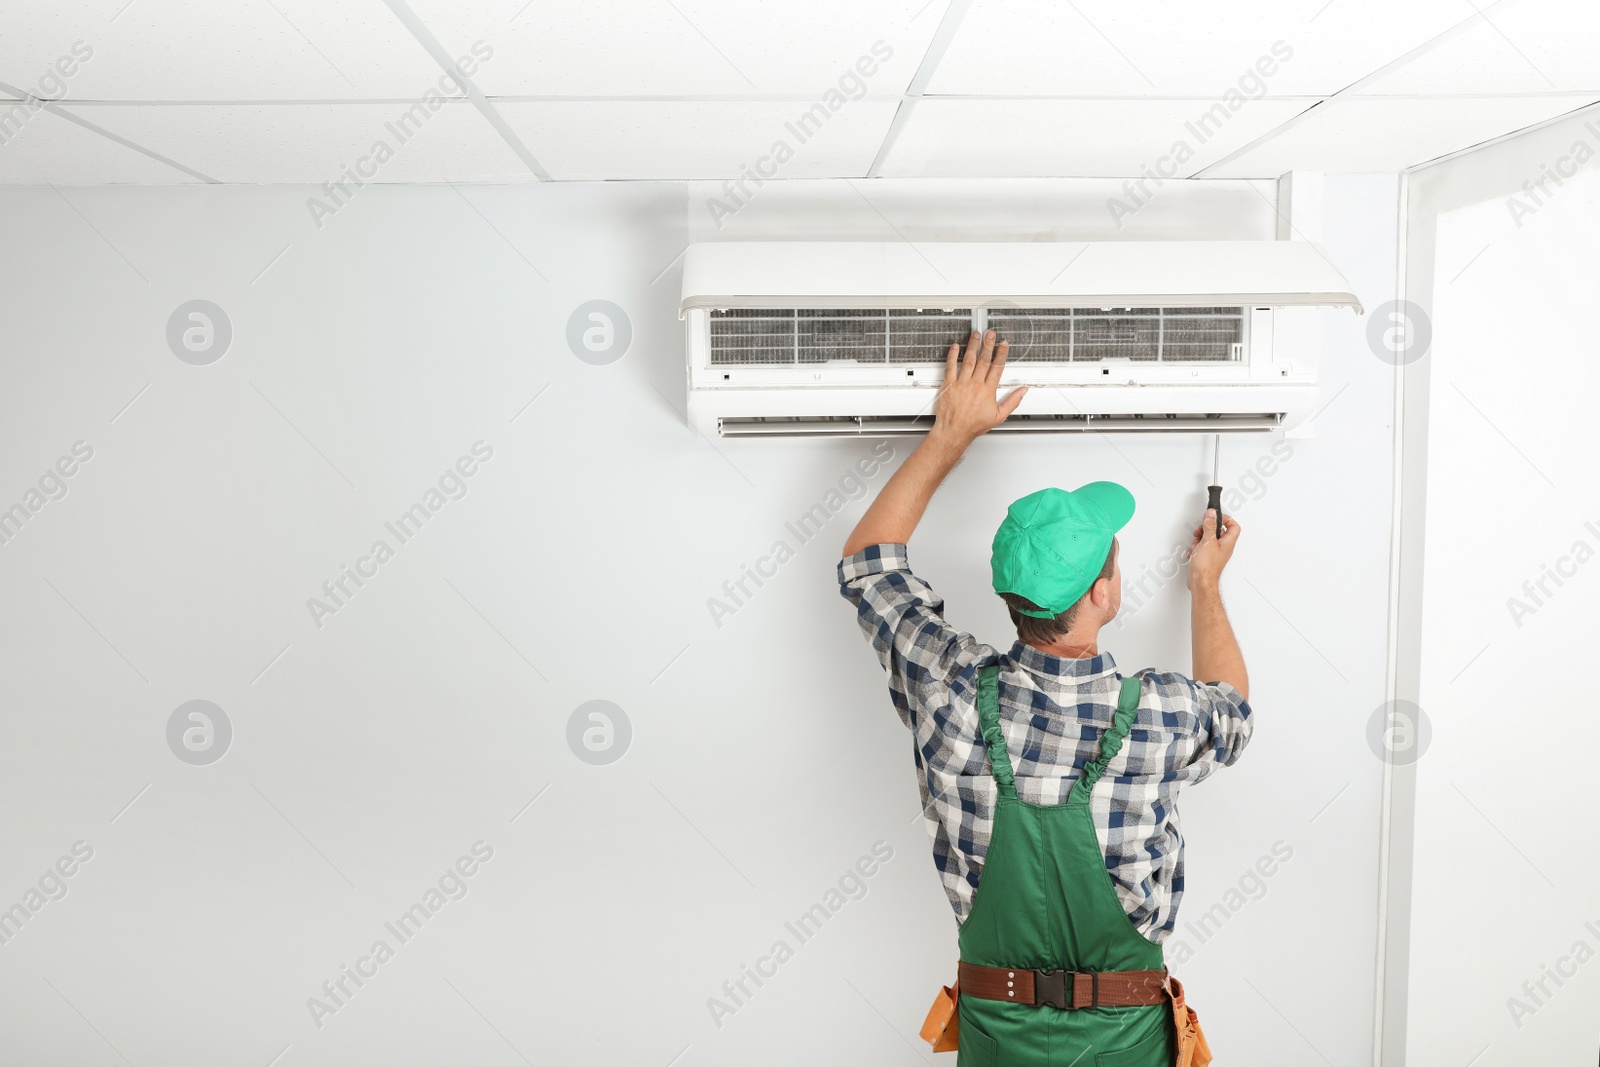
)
(874, 559)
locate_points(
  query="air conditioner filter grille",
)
(791, 336)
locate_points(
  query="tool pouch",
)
(940, 1028)
(1192, 1048)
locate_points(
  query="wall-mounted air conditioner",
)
(815, 338)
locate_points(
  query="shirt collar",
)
(1030, 658)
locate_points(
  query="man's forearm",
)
(898, 508)
(965, 410)
(1217, 657)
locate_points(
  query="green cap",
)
(1052, 544)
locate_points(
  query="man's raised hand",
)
(1208, 553)
(967, 407)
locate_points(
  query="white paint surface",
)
(688, 89)
(700, 139)
(621, 47)
(1385, 135)
(1505, 869)
(766, 758)
(1048, 138)
(1105, 48)
(1525, 46)
(249, 143)
(46, 148)
(177, 50)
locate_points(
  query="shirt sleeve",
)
(1210, 724)
(903, 618)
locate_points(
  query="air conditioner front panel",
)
(799, 339)
(903, 274)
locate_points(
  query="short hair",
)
(1033, 630)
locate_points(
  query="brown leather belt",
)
(1064, 989)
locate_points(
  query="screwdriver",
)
(1215, 500)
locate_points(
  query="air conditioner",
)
(789, 339)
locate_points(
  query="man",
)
(1048, 780)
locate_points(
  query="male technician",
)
(1048, 779)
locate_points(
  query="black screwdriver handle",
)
(1214, 502)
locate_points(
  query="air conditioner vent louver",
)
(896, 425)
(791, 336)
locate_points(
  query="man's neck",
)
(1071, 645)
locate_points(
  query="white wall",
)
(1505, 864)
(426, 713)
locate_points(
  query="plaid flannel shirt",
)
(1053, 712)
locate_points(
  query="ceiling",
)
(186, 91)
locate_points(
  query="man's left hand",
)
(967, 408)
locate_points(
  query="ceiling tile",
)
(1356, 134)
(177, 50)
(260, 143)
(41, 148)
(1085, 138)
(673, 47)
(1113, 48)
(1529, 46)
(671, 139)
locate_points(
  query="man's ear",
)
(1100, 593)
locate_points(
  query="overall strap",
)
(989, 721)
(1110, 741)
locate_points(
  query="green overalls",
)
(1045, 901)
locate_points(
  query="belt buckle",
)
(1055, 988)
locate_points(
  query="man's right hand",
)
(1208, 553)
(1216, 651)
